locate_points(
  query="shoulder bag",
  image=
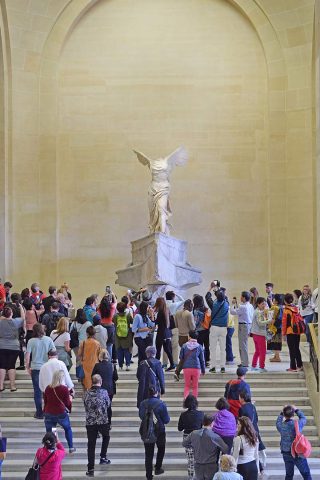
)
(66, 409)
(57, 337)
(34, 471)
(79, 368)
(3, 448)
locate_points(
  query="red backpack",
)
(301, 446)
(297, 323)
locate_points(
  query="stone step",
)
(207, 379)
(270, 475)
(126, 403)
(75, 464)
(252, 376)
(275, 388)
(122, 441)
(77, 419)
(118, 430)
(16, 451)
(211, 390)
(175, 410)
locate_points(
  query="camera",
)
(215, 284)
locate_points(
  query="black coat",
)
(108, 374)
(149, 375)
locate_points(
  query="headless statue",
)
(159, 190)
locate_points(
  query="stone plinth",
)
(159, 263)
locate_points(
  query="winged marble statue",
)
(159, 190)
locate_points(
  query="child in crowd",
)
(228, 469)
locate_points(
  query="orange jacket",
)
(286, 319)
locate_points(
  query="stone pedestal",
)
(159, 263)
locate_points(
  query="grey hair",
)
(96, 379)
(151, 351)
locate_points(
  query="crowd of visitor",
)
(45, 333)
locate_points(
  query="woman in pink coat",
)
(50, 457)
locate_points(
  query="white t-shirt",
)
(64, 337)
(249, 453)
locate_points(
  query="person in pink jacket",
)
(50, 457)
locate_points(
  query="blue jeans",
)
(229, 352)
(308, 319)
(301, 464)
(124, 354)
(51, 421)
(37, 394)
(0, 468)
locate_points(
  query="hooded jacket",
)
(224, 423)
(192, 355)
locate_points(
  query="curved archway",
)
(5, 143)
(49, 100)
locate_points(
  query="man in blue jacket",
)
(219, 323)
(161, 413)
(285, 426)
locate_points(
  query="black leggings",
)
(167, 347)
(142, 344)
(149, 452)
(249, 470)
(203, 339)
(293, 342)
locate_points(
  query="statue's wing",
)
(142, 158)
(178, 157)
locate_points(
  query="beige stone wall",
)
(232, 81)
(151, 78)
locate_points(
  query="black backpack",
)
(74, 338)
(149, 426)
(50, 321)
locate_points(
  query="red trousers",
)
(260, 344)
(191, 380)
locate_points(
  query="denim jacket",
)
(287, 430)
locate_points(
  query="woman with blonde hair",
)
(89, 351)
(61, 339)
(164, 333)
(306, 308)
(108, 372)
(228, 469)
(57, 405)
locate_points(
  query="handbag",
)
(3, 448)
(34, 471)
(79, 372)
(79, 368)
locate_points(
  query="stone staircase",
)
(270, 392)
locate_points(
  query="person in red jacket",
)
(2, 295)
(50, 457)
(57, 404)
(291, 312)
